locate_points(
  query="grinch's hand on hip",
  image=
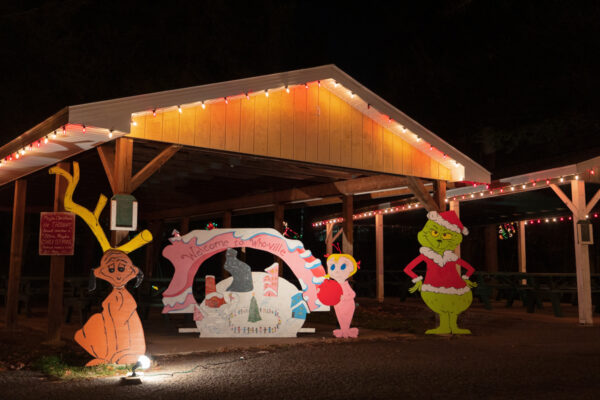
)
(416, 287)
(470, 283)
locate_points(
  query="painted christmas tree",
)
(253, 313)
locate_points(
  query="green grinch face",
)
(438, 238)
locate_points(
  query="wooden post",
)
(57, 268)
(153, 248)
(522, 248)
(278, 216)
(455, 206)
(348, 224)
(329, 238)
(491, 248)
(439, 194)
(582, 257)
(122, 177)
(226, 224)
(379, 255)
(16, 253)
(185, 226)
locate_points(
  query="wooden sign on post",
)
(57, 234)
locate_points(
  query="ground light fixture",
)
(135, 378)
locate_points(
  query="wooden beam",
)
(107, 157)
(379, 255)
(592, 202)
(439, 194)
(16, 253)
(57, 268)
(153, 166)
(582, 257)
(348, 224)
(418, 188)
(564, 198)
(359, 185)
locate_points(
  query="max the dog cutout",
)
(115, 335)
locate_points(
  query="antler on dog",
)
(91, 219)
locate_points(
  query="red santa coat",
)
(442, 275)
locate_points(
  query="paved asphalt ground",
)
(506, 358)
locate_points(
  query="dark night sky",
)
(513, 84)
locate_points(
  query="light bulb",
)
(203, 105)
(179, 109)
(287, 89)
(267, 92)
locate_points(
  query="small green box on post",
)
(123, 212)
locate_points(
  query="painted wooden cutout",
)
(444, 290)
(336, 291)
(262, 312)
(188, 252)
(115, 335)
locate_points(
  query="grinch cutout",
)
(336, 291)
(115, 335)
(444, 290)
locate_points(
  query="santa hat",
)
(448, 219)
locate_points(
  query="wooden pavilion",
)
(544, 196)
(303, 138)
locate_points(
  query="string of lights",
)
(487, 192)
(55, 134)
(383, 118)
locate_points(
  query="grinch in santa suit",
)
(445, 289)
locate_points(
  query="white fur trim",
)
(417, 279)
(437, 218)
(446, 290)
(465, 277)
(436, 258)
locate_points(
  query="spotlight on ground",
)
(136, 378)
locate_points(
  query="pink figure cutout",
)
(340, 268)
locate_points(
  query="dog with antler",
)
(115, 335)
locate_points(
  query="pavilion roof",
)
(78, 128)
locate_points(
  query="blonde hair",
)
(335, 257)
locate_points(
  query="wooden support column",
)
(379, 255)
(278, 216)
(491, 248)
(329, 238)
(580, 209)
(348, 224)
(439, 194)
(227, 224)
(455, 206)
(57, 268)
(522, 248)
(153, 248)
(582, 256)
(122, 178)
(185, 226)
(16, 253)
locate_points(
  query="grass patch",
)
(55, 366)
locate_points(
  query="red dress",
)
(442, 275)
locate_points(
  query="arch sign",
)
(188, 252)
